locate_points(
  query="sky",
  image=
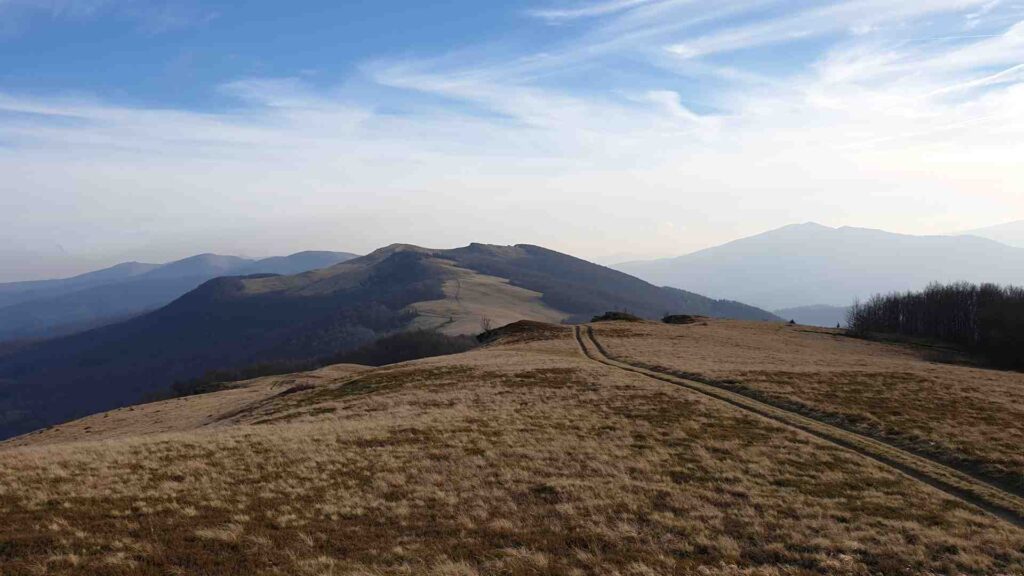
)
(609, 129)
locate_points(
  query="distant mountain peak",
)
(800, 263)
(808, 226)
(398, 247)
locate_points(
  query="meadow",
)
(923, 398)
(521, 457)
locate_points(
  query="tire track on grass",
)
(964, 487)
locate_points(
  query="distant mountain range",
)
(49, 308)
(1011, 233)
(237, 321)
(811, 264)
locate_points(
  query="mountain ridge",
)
(1009, 233)
(807, 263)
(231, 322)
(51, 308)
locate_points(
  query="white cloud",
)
(882, 130)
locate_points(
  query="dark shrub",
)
(610, 316)
(682, 319)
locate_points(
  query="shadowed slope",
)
(51, 308)
(234, 322)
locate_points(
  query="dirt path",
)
(971, 490)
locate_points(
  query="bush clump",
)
(682, 319)
(620, 316)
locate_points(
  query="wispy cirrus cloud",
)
(588, 9)
(856, 17)
(151, 17)
(898, 115)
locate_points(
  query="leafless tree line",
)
(987, 319)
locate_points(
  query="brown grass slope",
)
(523, 457)
(958, 483)
(968, 417)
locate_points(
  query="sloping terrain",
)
(186, 414)
(1010, 233)
(15, 292)
(50, 308)
(289, 320)
(524, 457)
(819, 315)
(913, 396)
(473, 302)
(812, 264)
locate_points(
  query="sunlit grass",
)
(515, 459)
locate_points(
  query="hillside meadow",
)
(522, 457)
(917, 396)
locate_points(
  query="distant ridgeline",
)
(986, 319)
(243, 326)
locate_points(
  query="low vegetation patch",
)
(616, 316)
(521, 332)
(682, 319)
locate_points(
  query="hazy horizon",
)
(67, 265)
(145, 131)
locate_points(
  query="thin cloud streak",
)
(589, 10)
(849, 15)
(876, 130)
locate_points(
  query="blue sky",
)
(152, 130)
(178, 53)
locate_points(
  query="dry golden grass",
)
(521, 458)
(966, 416)
(182, 414)
(471, 296)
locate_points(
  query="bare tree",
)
(988, 319)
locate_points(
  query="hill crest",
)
(235, 322)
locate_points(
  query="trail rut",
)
(960, 485)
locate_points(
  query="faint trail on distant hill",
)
(953, 482)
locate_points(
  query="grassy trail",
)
(957, 483)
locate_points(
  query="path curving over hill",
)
(961, 485)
